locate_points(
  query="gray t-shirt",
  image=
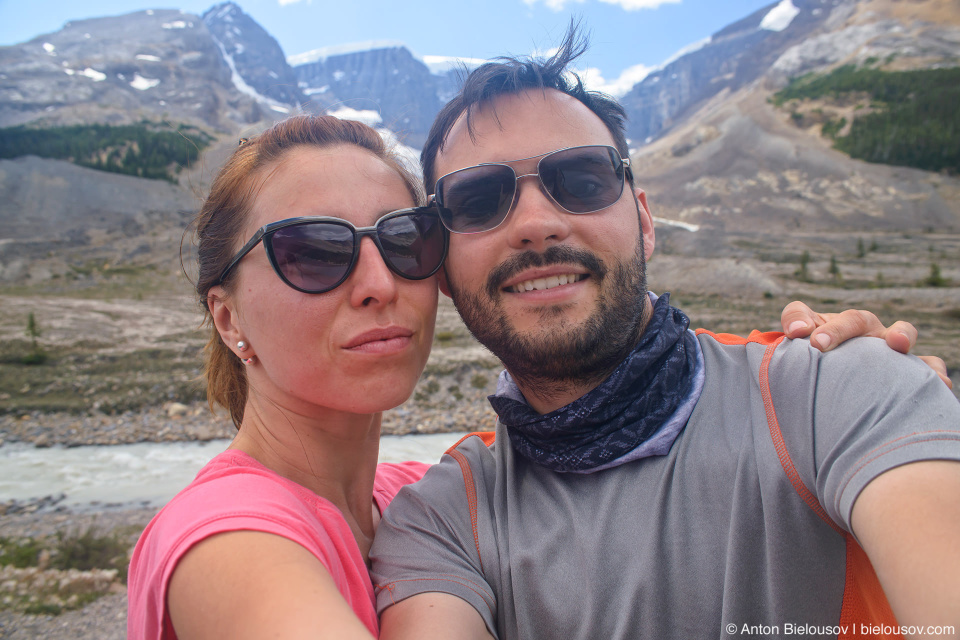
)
(721, 537)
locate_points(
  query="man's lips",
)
(544, 279)
(538, 270)
(380, 339)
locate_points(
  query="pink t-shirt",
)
(235, 492)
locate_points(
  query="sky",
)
(628, 37)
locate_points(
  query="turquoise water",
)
(147, 473)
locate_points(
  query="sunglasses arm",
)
(257, 237)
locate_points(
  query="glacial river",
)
(146, 474)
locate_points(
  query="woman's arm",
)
(247, 584)
(827, 330)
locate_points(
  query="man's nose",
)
(536, 221)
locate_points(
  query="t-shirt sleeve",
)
(393, 476)
(869, 410)
(206, 510)
(426, 543)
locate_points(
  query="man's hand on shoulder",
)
(827, 330)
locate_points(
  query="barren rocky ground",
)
(123, 368)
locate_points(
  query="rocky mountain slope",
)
(786, 40)
(718, 157)
(735, 162)
(155, 65)
(387, 79)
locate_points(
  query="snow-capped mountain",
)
(710, 149)
(256, 61)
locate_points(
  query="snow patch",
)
(676, 223)
(242, 86)
(177, 24)
(93, 74)
(321, 54)
(780, 17)
(142, 84)
(368, 117)
(441, 65)
(49, 48)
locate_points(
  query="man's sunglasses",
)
(316, 254)
(578, 179)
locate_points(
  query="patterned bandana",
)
(638, 411)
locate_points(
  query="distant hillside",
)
(906, 118)
(144, 150)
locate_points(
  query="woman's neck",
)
(331, 453)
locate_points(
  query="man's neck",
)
(545, 396)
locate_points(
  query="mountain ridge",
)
(716, 156)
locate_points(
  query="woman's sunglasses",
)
(578, 179)
(317, 254)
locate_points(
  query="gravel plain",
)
(449, 406)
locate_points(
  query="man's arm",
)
(908, 522)
(429, 616)
(429, 578)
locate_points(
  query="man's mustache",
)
(558, 254)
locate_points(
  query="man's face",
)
(553, 333)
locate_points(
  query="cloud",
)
(618, 88)
(636, 5)
(628, 5)
(556, 5)
(284, 3)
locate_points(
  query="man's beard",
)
(560, 356)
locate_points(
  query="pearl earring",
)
(241, 346)
(248, 361)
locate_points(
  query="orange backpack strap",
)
(863, 599)
(488, 437)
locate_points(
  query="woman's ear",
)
(223, 310)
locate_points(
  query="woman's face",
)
(359, 348)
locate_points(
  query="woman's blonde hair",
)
(222, 219)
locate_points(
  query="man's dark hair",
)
(508, 75)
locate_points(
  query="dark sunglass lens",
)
(583, 180)
(412, 243)
(313, 257)
(476, 199)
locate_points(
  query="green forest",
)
(914, 119)
(146, 150)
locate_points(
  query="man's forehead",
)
(522, 125)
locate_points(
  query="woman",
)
(272, 537)
(319, 322)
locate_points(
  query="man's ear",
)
(442, 281)
(223, 310)
(646, 224)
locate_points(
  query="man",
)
(645, 482)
